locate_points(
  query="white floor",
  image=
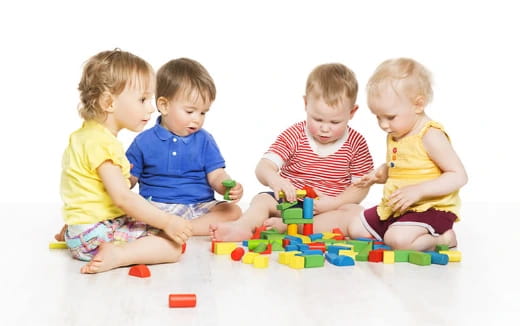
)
(44, 287)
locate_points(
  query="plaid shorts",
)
(187, 211)
(83, 240)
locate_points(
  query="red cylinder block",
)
(182, 300)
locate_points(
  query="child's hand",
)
(178, 229)
(286, 186)
(377, 176)
(404, 197)
(236, 192)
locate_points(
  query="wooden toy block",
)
(294, 239)
(419, 258)
(328, 235)
(314, 261)
(292, 229)
(311, 252)
(401, 256)
(302, 246)
(276, 245)
(253, 243)
(303, 238)
(437, 258)
(375, 256)
(182, 300)
(291, 247)
(441, 247)
(317, 245)
(58, 245)
(237, 253)
(338, 232)
(183, 248)
(261, 247)
(347, 252)
(268, 250)
(453, 255)
(283, 206)
(283, 257)
(339, 260)
(258, 232)
(139, 271)
(388, 257)
(292, 213)
(271, 234)
(315, 236)
(261, 261)
(298, 220)
(296, 262)
(224, 248)
(249, 257)
(228, 184)
(310, 192)
(359, 245)
(381, 246)
(308, 207)
(307, 229)
(213, 245)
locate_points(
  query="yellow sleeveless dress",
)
(408, 164)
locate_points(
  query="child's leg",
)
(411, 237)
(262, 207)
(222, 212)
(146, 250)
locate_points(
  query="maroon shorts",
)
(435, 221)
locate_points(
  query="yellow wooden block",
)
(249, 257)
(300, 193)
(297, 262)
(292, 229)
(261, 261)
(346, 252)
(58, 245)
(388, 257)
(224, 248)
(453, 255)
(328, 235)
(284, 256)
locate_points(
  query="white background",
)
(259, 55)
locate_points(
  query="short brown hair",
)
(110, 71)
(333, 82)
(185, 77)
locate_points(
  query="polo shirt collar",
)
(164, 134)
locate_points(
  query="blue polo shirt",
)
(173, 169)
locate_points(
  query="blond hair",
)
(402, 74)
(110, 71)
(332, 82)
(185, 77)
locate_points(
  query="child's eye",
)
(143, 99)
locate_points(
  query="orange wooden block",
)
(139, 271)
(182, 300)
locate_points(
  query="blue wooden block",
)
(291, 247)
(315, 236)
(339, 260)
(437, 258)
(293, 239)
(308, 207)
(311, 252)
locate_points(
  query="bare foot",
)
(61, 235)
(105, 259)
(275, 223)
(448, 238)
(229, 232)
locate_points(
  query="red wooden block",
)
(310, 192)
(183, 248)
(237, 253)
(258, 232)
(307, 229)
(317, 246)
(182, 300)
(376, 256)
(139, 271)
(285, 242)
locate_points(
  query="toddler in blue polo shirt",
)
(177, 164)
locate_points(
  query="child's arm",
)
(178, 229)
(351, 195)
(267, 173)
(215, 179)
(453, 175)
(377, 176)
(133, 181)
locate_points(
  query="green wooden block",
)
(401, 256)
(292, 213)
(253, 243)
(314, 261)
(419, 258)
(285, 205)
(276, 245)
(298, 220)
(359, 245)
(441, 247)
(260, 248)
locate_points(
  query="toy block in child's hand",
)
(310, 192)
(258, 232)
(139, 271)
(228, 184)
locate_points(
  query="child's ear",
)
(106, 102)
(419, 104)
(162, 105)
(305, 101)
(353, 110)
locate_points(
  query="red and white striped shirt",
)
(332, 173)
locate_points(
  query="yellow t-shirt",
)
(408, 164)
(84, 196)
